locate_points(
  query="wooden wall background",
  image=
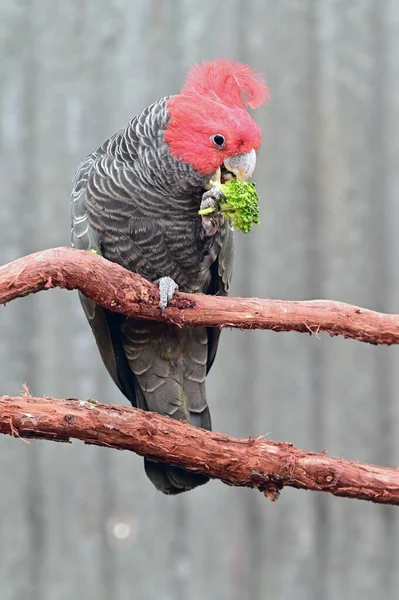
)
(84, 523)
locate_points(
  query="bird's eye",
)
(219, 140)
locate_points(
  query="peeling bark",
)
(265, 465)
(121, 291)
(256, 463)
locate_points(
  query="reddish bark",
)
(256, 463)
(119, 290)
(268, 466)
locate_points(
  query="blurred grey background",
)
(85, 523)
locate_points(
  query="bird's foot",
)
(211, 221)
(167, 287)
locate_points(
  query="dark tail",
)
(151, 382)
(172, 480)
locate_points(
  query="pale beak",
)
(242, 165)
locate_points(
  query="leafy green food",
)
(241, 204)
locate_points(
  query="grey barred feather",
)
(136, 205)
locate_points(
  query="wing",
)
(85, 237)
(107, 229)
(221, 270)
(106, 325)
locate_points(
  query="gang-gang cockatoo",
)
(135, 201)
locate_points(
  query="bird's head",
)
(209, 126)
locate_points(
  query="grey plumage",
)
(136, 205)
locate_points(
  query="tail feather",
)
(162, 368)
(172, 480)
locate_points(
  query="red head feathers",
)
(208, 120)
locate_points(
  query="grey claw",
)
(211, 222)
(208, 203)
(210, 226)
(167, 287)
(213, 194)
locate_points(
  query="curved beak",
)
(242, 165)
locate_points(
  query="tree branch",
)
(256, 463)
(119, 290)
(265, 465)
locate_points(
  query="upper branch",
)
(119, 290)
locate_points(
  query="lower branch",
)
(265, 465)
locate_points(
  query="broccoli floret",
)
(241, 204)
